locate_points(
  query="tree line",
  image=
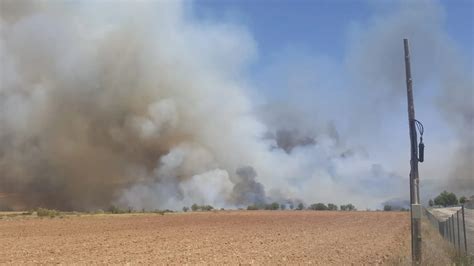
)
(447, 199)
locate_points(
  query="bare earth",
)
(232, 237)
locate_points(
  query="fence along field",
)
(456, 225)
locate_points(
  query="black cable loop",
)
(419, 126)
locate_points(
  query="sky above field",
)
(162, 104)
(314, 41)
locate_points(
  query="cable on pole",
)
(421, 146)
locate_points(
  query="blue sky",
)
(321, 26)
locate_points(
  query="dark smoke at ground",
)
(247, 190)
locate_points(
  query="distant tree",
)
(446, 199)
(300, 206)
(332, 207)
(318, 207)
(387, 208)
(430, 203)
(348, 207)
(252, 208)
(194, 207)
(291, 206)
(282, 206)
(462, 200)
(272, 206)
(207, 208)
(185, 209)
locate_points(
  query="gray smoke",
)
(247, 190)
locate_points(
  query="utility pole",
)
(414, 178)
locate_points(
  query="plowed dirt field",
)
(231, 237)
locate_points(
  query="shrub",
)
(387, 208)
(196, 207)
(430, 203)
(162, 212)
(252, 208)
(43, 212)
(446, 199)
(462, 200)
(300, 206)
(207, 208)
(116, 210)
(318, 207)
(332, 207)
(348, 207)
(272, 206)
(185, 209)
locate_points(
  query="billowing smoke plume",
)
(140, 104)
(247, 191)
(126, 102)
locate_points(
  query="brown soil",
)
(231, 237)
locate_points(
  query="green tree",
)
(430, 203)
(194, 207)
(273, 206)
(300, 206)
(462, 200)
(252, 208)
(318, 207)
(206, 208)
(387, 208)
(332, 207)
(446, 199)
(348, 207)
(185, 209)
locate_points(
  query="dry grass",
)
(435, 250)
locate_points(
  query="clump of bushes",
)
(196, 207)
(348, 207)
(116, 210)
(272, 206)
(318, 207)
(300, 206)
(162, 212)
(252, 208)
(43, 212)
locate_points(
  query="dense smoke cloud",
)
(142, 105)
(94, 109)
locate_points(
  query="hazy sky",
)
(317, 38)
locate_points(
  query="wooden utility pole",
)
(414, 178)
